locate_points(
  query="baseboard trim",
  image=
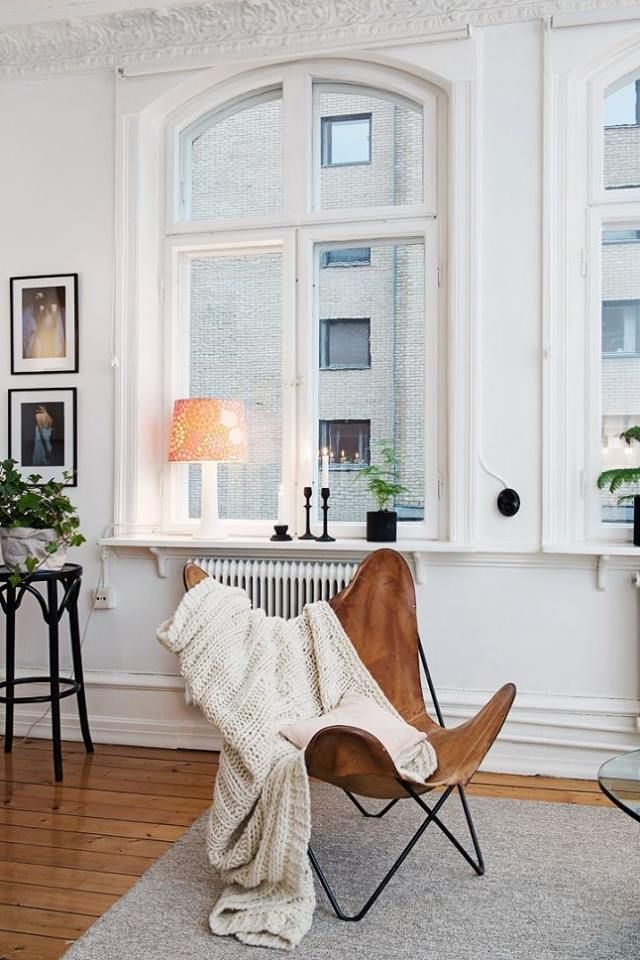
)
(547, 734)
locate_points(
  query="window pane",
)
(384, 400)
(620, 362)
(236, 352)
(620, 326)
(346, 139)
(346, 257)
(621, 236)
(235, 161)
(344, 344)
(373, 156)
(622, 137)
(348, 442)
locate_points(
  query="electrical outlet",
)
(104, 598)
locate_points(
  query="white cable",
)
(496, 476)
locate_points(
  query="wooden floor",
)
(68, 851)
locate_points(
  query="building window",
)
(346, 140)
(348, 442)
(344, 344)
(621, 327)
(621, 236)
(346, 257)
(256, 313)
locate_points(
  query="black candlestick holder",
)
(325, 493)
(307, 535)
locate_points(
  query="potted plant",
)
(382, 524)
(613, 479)
(38, 522)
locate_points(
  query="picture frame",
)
(42, 432)
(44, 324)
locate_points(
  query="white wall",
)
(486, 618)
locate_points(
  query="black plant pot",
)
(636, 521)
(382, 526)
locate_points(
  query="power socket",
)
(104, 598)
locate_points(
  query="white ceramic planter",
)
(18, 543)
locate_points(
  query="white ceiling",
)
(34, 11)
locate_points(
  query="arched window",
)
(302, 278)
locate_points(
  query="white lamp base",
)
(210, 527)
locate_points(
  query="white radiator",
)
(280, 587)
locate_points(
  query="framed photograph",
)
(44, 324)
(42, 432)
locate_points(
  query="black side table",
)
(69, 578)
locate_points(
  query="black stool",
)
(70, 577)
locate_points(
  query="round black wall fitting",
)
(508, 502)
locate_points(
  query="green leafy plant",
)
(612, 480)
(382, 479)
(39, 506)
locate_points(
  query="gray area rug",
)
(562, 883)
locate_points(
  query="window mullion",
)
(306, 402)
(296, 144)
(290, 382)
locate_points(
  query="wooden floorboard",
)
(68, 851)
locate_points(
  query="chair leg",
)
(385, 880)
(365, 813)
(472, 831)
(478, 865)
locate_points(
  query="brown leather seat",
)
(378, 613)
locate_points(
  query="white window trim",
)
(575, 206)
(142, 178)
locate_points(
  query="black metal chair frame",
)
(432, 817)
(10, 600)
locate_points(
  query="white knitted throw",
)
(250, 675)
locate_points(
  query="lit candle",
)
(325, 468)
(280, 517)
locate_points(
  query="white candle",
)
(325, 468)
(280, 517)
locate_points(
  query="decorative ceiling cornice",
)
(228, 29)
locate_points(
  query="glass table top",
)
(619, 779)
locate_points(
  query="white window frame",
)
(149, 168)
(577, 207)
(180, 252)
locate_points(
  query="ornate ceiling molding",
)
(237, 29)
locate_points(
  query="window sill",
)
(165, 547)
(603, 551)
(596, 548)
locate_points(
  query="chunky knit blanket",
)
(251, 674)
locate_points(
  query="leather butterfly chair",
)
(378, 613)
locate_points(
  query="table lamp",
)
(209, 431)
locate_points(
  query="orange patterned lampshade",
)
(207, 428)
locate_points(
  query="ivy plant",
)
(612, 480)
(28, 502)
(382, 479)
